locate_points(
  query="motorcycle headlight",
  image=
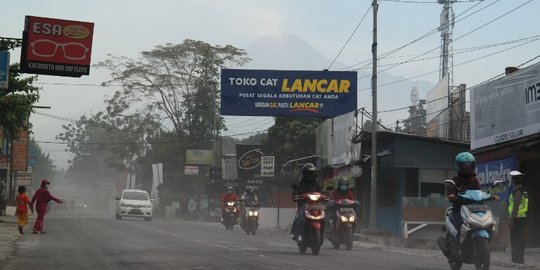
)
(352, 219)
(344, 219)
(230, 203)
(252, 213)
(314, 197)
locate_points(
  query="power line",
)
(56, 117)
(350, 37)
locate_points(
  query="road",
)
(92, 241)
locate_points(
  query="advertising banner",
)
(436, 116)
(56, 47)
(19, 152)
(191, 170)
(229, 168)
(506, 109)
(249, 166)
(4, 70)
(288, 93)
(497, 170)
(268, 166)
(24, 178)
(200, 157)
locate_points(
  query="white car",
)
(134, 203)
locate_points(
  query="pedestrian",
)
(42, 197)
(518, 205)
(22, 210)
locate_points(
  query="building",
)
(505, 136)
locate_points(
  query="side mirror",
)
(497, 183)
(117, 198)
(450, 182)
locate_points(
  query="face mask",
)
(343, 188)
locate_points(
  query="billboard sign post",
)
(56, 47)
(323, 94)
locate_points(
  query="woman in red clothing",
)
(42, 197)
(229, 196)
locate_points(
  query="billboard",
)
(229, 167)
(268, 166)
(24, 178)
(191, 170)
(506, 109)
(4, 70)
(437, 101)
(497, 170)
(199, 157)
(288, 93)
(19, 152)
(249, 159)
(56, 47)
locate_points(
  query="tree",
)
(16, 102)
(416, 123)
(291, 137)
(180, 82)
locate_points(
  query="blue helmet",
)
(465, 163)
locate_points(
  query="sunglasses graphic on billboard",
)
(56, 47)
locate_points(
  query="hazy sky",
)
(128, 27)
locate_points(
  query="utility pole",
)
(373, 197)
(397, 125)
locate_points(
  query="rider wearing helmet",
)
(229, 196)
(464, 180)
(342, 191)
(306, 184)
(248, 198)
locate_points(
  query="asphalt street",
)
(93, 241)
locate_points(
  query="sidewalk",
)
(427, 248)
(9, 233)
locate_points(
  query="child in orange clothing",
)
(22, 210)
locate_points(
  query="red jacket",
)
(42, 197)
(338, 195)
(229, 198)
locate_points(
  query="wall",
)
(408, 153)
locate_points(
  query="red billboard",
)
(56, 47)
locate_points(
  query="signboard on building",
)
(200, 157)
(4, 70)
(24, 178)
(191, 170)
(288, 93)
(19, 152)
(56, 47)
(267, 166)
(497, 170)
(506, 109)
(249, 165)
(229, 167)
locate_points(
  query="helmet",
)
(343, 184)
(308, 171)
(465, 163)
(229, 189)
(249, 189)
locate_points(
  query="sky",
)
(125, 28)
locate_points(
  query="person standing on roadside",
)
(22, 210)
(518, 205)
(42, 197)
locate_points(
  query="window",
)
(136, 196)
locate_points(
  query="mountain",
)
(292, 52)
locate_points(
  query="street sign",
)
(267, 166)
(24, 178)
(191, 170)
(4, 70)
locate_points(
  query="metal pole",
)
(373, 197)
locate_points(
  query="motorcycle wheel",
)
(483, 254)
(455, 265)
(348, 238)
(316, 242)
(302, 248)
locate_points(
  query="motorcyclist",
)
(229, 196)
(341, 192)
(248, 198)
(464, 180)
(306, 184)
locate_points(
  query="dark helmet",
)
(309, 171)
(465, 163)
(343, 184)
(229, 189)
(249, 189)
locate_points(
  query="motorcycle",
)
(476, 231)
(229, 219)
(344, 223)
(250, 218)
(312, 232)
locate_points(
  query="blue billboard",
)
(324, 94)
(497, 170)
(4, 70)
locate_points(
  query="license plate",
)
(477, 208)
